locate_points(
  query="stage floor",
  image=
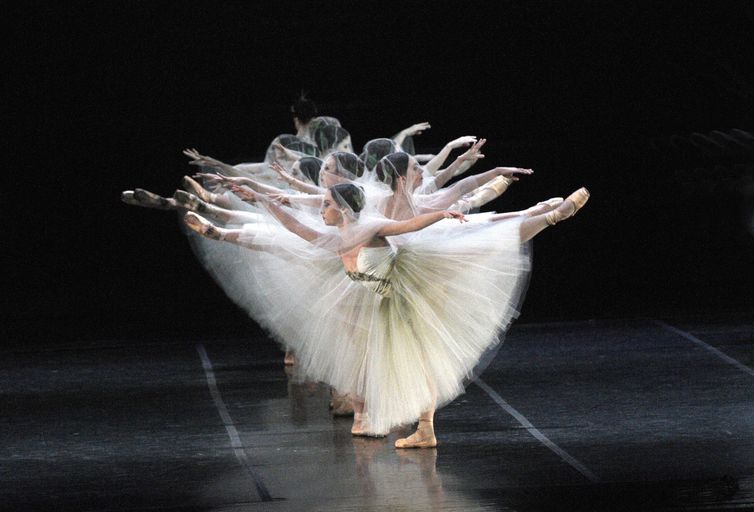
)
(602, 415)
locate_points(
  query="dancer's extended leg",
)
(205, 228)
(195, 188)
(568, 208)
(195, 204)
(146, 199)
(538, 209)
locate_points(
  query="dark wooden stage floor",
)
(606, 415)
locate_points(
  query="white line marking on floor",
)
(578, 466)
(719, 353)
(230, 428)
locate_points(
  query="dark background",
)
(103, 97)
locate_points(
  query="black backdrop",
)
(604, 94)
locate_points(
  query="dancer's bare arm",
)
(295, 183)
(207, 161)
(434, 164)
(415, 129)
(418, 222)
(290, 222)
(460, 164)
(227, 181)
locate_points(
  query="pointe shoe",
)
(578, 199)
(551, 203)
(422, 438)
(360, 426)
(202, 226)
(189, 201)
(127, 196)
(194, 187)
(499, 184)
(289, 359)
(150, 200)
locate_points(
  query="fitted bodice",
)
(373, 266)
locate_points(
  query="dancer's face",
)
(328, 174)
(345, 145)
(330, 211)
(414, 174)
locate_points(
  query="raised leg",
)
(195, 204)
(538, 209)
(568, 208)
(205, 228)
(195, 188)
(484, 194)
(146, 199)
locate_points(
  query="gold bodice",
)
(373, 267)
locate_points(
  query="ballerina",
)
(407, 349)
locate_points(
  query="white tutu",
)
(409, 328)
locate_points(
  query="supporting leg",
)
(424, 437)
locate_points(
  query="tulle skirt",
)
(455, 290)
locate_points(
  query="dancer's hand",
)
(511, 172)
(474, 153)
(461, 142)
(453, 214)
(218, 179)
(283, 153)
(245, 193)
(281, 198)
(201, 160)
(285, 175)
(416, 129)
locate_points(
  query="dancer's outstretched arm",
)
(450, 196)
(460, 164)
(207, 161)
(415, 129)
(466, 185)
(296, 200)
(288, 221)
(229, 181)
(434, 164)
(295, 183)
(418, 222)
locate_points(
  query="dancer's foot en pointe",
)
(190, 201)
(193, 186)
(568, 207)
(424, 437)
(146, 199)
(203, 226)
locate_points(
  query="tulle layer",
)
(455, 290)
